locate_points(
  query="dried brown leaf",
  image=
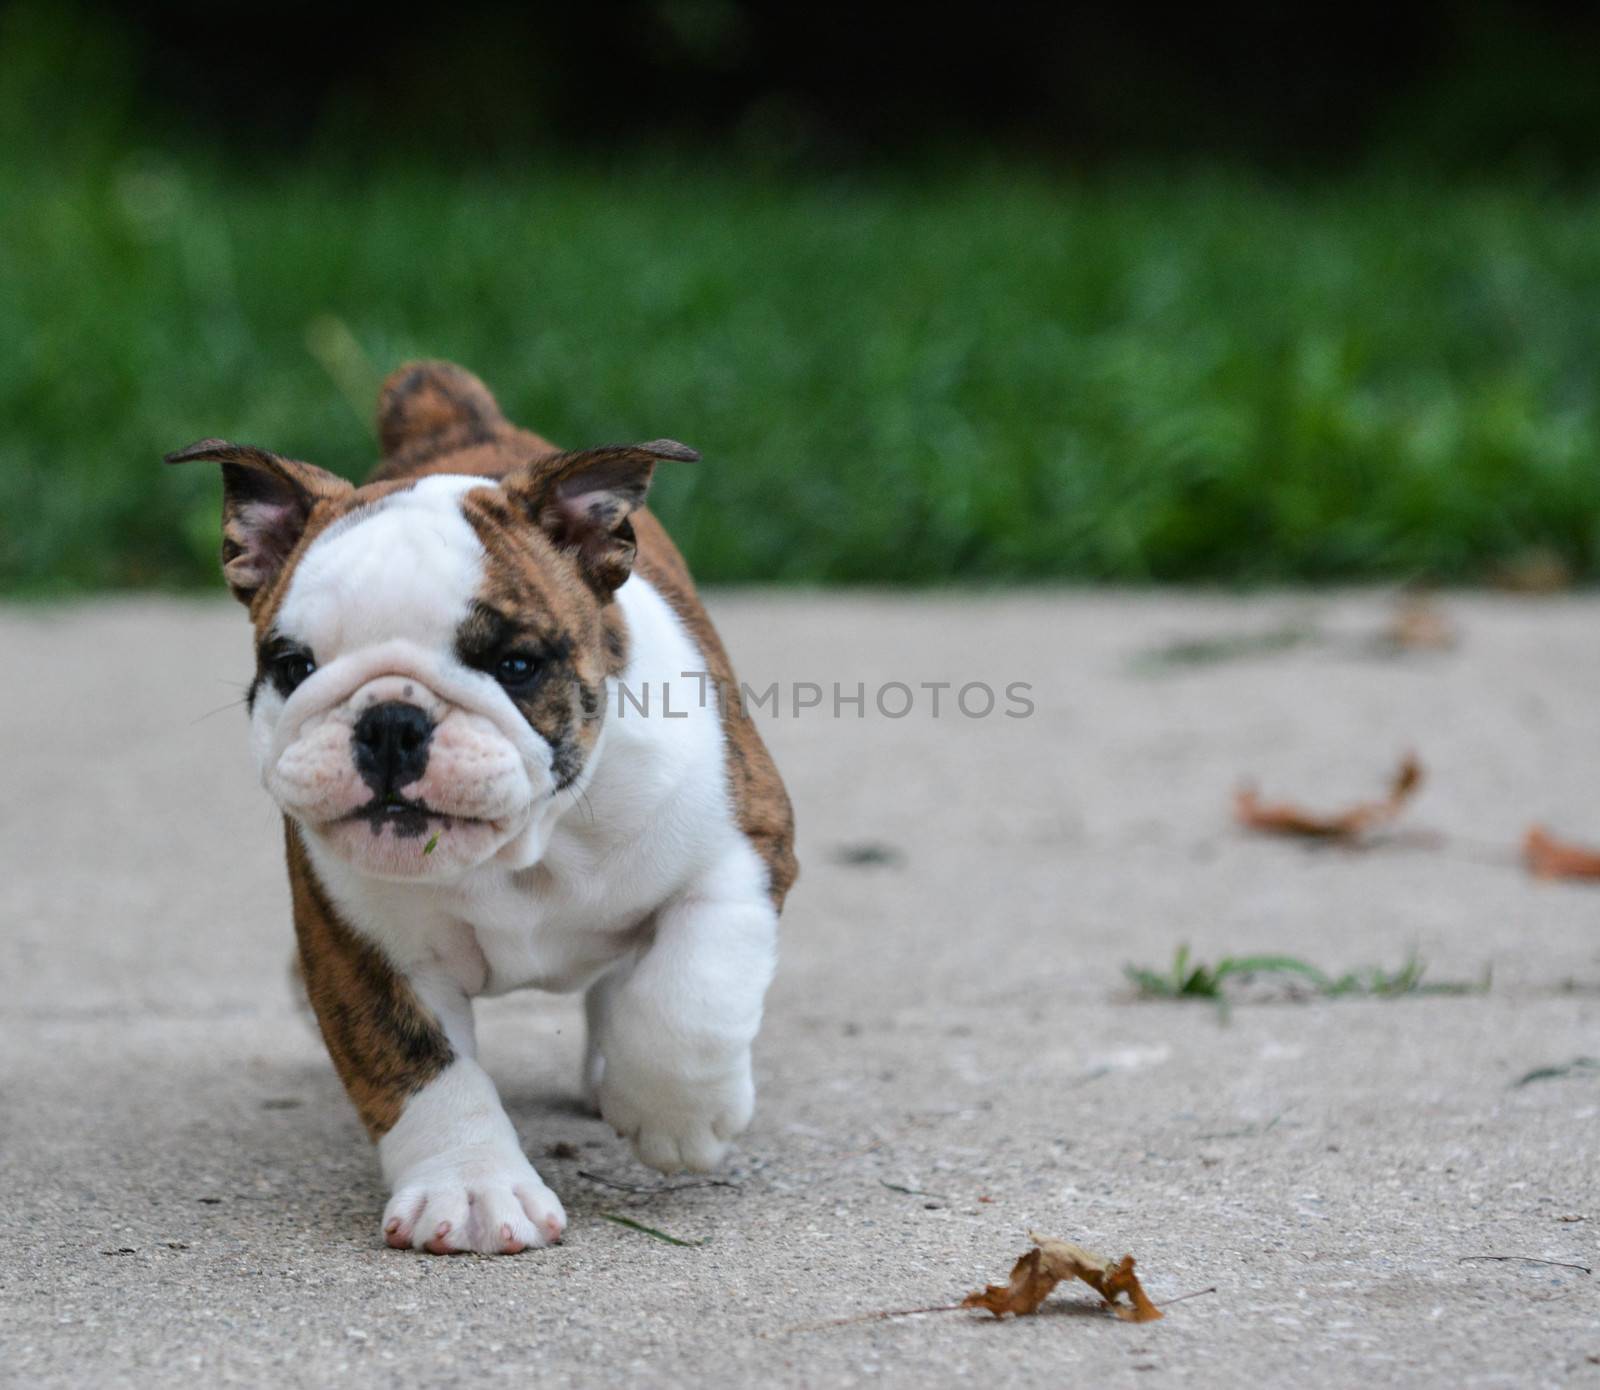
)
(1419, 625)
(1028, 1287)
(1549, 857)
(1036, 1273)
(1287, 818)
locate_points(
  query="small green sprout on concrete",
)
(1229, 646)
(1578, 1066)
(651, 1231)
(1194, 980)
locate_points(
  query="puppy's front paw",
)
(678, 1122)
(451, 1212)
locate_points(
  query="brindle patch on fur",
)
(433, 410)
(521, 611)
(422, 401)
(615, 635)
(385, 1045)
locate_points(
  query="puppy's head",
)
(431, 650)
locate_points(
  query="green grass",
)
(1187, 979)
(971, 375)
(1578, 1066)
(639, 1226)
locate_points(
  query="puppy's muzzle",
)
(390, 747)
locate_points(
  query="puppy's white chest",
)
(540, 930)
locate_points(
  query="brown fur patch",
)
(427, 410)
(420, 401)
(614, 633)
(533, 601)
(385, 1045)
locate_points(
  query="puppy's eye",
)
(290, 670)
(516, 671)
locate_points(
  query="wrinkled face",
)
(430, 682)
(432, 647)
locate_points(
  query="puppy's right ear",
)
(266, 503)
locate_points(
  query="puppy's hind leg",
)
(597, 1006)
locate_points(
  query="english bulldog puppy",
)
(471, 804)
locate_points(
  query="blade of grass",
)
(1201, 981)
(1271, 965)
(639, 1226)
(1576, 1065)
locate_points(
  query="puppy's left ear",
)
(266, 503)
(582, 502)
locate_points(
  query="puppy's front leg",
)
(459, 1177)
(669, 1051)
(403, 1045)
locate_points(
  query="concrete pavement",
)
(188, 1197)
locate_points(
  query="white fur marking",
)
(459, 1177)
(404, 568)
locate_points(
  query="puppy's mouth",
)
(405, 818)
(402, 838)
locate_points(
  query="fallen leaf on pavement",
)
(1286, 818)
(1051, 1261)
(1549, 857)
(1419, 625)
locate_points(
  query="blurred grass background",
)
(988, 368)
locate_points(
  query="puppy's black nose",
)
(391, 746)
